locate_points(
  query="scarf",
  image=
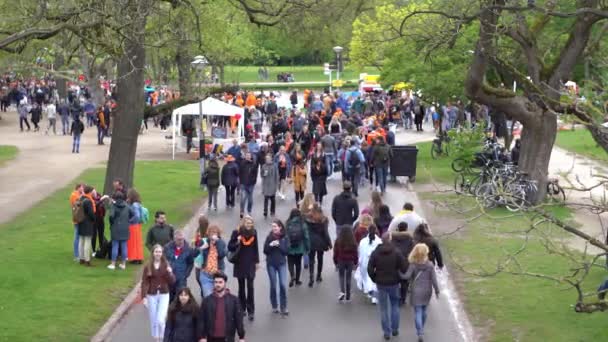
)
(90, 197)
(248, 236)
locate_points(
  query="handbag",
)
(233, 257)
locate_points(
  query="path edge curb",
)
(106, 330)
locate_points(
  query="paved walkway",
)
(45, 163)
(315, 314)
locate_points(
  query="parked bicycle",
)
(441, 146)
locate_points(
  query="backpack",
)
(417, 109)
(78, 211)
(144, 214)
(295, 233)
(353, 159)
(383, 154)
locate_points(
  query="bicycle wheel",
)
(474, 184)
(435, 150)
(516, 199)
(555, 192)
(487, 196)
(459, 165)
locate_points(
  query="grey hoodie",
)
(270, 178)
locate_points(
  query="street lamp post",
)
(338, 51)
(200, 62)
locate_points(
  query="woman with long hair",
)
(421, 275)
(182, 318)
(244, 242)
(212, 250)
(306, 204)
(345, 258)
(366, 247)
(135, 244)
(299, 177)
(423, 234)
(318, 173)
(157, 279)
(276, 248)
(383, 220)
(298, 237)
(320, 241)
(375, 204)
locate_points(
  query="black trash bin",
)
(404, 162)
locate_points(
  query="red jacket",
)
(345, 256)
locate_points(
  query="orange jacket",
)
(251, 100)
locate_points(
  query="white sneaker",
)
(341, 297)
(122, 267)
(111, 267)
(374, 301)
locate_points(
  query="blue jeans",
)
(281, 273)
(76, 143)
(101, 133)
(420, 318)
(123, 249)
(75, 240)
(388, 302)
(329, 163)
(246, 196)
(206, 280)
(65, 124)
(381, 175)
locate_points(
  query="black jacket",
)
(213, 174)
(119, 221)
(248, 257)
(248, 172)
(232, 311)
(404, 243)
(319, 235)
(345, 209)
(385, 264)
(87, 226)
(230, 174)
(319, 178)
(183, 328)
(434, 251)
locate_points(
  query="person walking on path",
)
(362, 227)
(86, 227)
(76, 194)
(299, 177)
(384, 267)
(135, 243)
(276, 248)
(101, 126)
(51, 115)
(298, 236)
(182, 318)
(422, 234)
(36, 113)
(76, 131)
(353, 161)
(283, 162)
(211, 178)
(403, 240)
(120, 229)
(248, 172)
(156, 281)
(181, 258)
(161, 233)
(64, 112)
(383, 220)
(365, 250)
(212, 252)
(381, 159)
(230, 179)
(244, 246)
(329, 151)
(345, 259)
(23, 112)
(220, 317)
(421, 274)
(320, 242)
(406, 215)
(318, 173)
(270, 183)
(345, 209)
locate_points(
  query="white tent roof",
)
(211, 106)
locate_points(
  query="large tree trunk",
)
(183, 59)
(537, 138)
(62, 86)
(130, 100)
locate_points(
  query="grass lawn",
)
(507, 307)
(46, 296)
(580, 141)
(7, 152)
(309, 73)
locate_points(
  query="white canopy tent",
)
(207, 107)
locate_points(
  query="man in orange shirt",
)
(76, 194)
